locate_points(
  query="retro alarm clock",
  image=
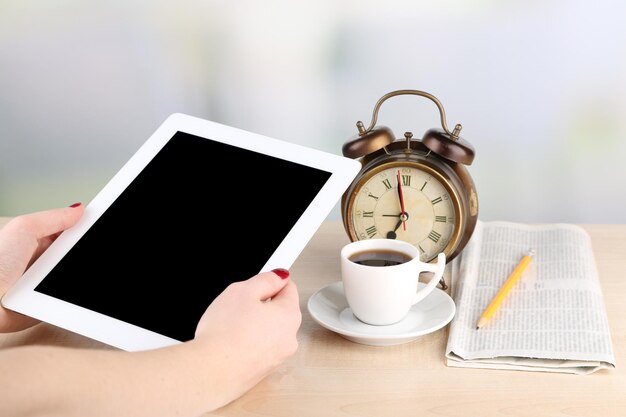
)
(414, 190)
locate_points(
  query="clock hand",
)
(401, 197)
(392, 233)
(391, 215)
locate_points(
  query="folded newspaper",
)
(553, 320)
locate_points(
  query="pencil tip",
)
(477, 327)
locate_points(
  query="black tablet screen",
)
(201, 215)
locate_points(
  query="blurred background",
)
(539, 86)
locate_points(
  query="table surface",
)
(331, 376)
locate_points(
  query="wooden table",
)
(331, 376)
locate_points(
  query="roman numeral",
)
(373, 196)
(406, 180)
(368, 214)
(436, 200)
(441, 219)
(422, 189)
(387, 183)
(434, 236)
(371, 231)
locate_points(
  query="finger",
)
(48, 222)
(44, 244)
(266, 285)
(289, 302)
(47, 241)
(289, 294)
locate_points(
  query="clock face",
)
(431, 208)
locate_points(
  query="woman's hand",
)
(243, 335)
(22, 240)
(252, 326)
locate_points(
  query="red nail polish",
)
(282, 273)
(75, 205)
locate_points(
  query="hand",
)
(254, 335)
(22, 241)
(403, 215)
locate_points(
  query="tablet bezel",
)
(23, 298)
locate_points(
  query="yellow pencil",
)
(504, 290)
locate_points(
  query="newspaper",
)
(553, 320)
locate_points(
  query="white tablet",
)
(199, 206)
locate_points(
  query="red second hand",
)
(401, 200)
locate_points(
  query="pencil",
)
(504, 290)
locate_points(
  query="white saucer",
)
(329, 308)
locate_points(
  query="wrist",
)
(222, 369)
(213, 371)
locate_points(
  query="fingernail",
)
(282, 273)
(75, 205)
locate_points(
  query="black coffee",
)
(380, 257)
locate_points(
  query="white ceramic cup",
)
(382, 295)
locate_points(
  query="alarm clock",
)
(414, 190)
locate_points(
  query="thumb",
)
(25, 237)
(267, 284)
(48, 222)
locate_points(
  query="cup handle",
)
(438, 269)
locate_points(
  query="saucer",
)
(329, 308)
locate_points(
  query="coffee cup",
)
(380, 279)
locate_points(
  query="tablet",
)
(200, 205)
